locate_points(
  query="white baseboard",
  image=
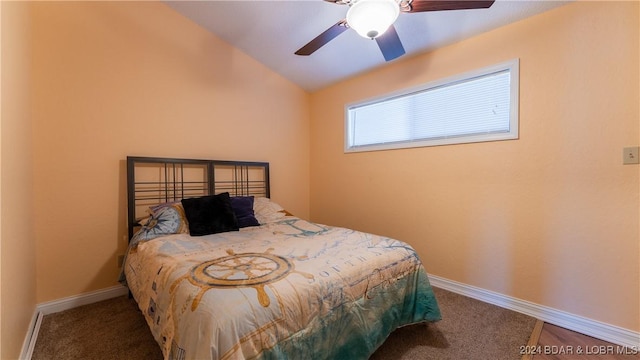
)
(71, 302)
(611, 333)
(67, 303)
(30, 341)
(594, 328)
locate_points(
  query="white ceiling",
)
(271, 31)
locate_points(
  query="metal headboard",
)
(152, 181)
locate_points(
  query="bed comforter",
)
(290, 289)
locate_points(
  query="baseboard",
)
(71, 302)
(30, 341)
(594, 328)
(67, 303)
(611, 333)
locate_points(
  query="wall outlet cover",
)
(630, 155)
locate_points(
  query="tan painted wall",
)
(113, 79)
(18, 266)
(551, 218)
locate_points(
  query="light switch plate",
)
(630, 155)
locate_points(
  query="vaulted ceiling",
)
(271, 31)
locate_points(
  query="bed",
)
(221, 271)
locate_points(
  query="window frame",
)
(512, 66)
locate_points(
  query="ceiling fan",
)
(373, 19)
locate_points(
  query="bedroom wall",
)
(552, 218)
(17, 240)
(112, 79)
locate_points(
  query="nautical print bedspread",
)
(290, 289)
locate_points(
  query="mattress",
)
(289, 289)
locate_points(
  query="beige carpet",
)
(115, 329)
(469, 329)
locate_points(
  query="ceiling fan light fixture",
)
(371, 18)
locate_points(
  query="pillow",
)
(243, 209)
(267, 211)
(177, 205)
(164, 221)
(210, 214)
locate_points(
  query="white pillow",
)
(267, 211)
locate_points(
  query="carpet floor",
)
(115, 329)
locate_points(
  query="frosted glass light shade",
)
(371, 18)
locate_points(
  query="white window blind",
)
(479, 106)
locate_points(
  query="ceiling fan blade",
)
(437, 5)
(390, 44)
(323, 38)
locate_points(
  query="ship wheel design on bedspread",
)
(239, 270)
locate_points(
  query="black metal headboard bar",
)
(153, 180)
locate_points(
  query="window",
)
(473, 107)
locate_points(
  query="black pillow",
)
(210, 214)
(243, 208)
